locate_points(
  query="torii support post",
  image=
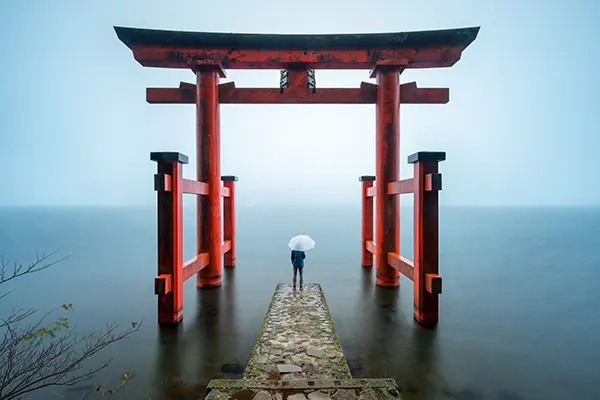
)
(229, 218)
(425, 185)
(428, 284)
(367, 219)
(387, 208)
(208, 151)
(172, 270)
(168, 183)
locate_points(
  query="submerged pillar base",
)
(385, 281)
(207, 283)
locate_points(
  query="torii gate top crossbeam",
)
(176, 49)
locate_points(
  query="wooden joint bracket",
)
(163, 284)
(162, 183)
(433, 283)
(433, 182)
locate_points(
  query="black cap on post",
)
(229, 178)
(366, 178)
(427, 156)
(169, 156)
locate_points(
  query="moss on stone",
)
(252, 371)
(344, 368)
(393, 391)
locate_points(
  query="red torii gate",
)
(208, 55)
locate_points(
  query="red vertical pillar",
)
(208, 152)
(428, 284)
(387, 236)
(367, 220)
(168, 184)
(229, 219)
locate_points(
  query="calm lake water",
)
(520, 311)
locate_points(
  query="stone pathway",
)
(298, 339)
(298, 356)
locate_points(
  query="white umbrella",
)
(301, 243)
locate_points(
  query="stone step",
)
(346, 389)
(303, 384)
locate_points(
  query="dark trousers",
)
(296, 269)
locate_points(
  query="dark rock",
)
(233, 369)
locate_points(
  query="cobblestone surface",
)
(365, 393)
(298, 356)
(298, 339)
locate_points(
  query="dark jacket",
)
(298, 258)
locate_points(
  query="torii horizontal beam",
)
(176, 49)
(229, 94)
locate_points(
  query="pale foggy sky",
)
(520, 128)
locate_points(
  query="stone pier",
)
(298, 356)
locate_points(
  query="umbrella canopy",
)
(301, 243)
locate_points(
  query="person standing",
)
(298, 264)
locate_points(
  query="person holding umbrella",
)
(299, 245)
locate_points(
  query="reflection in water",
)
(367, 282)
(229, 328)
(376, 308)
(216, 329)
(503, 342)
(362, 329)
(208, 331)
(425, 378)
(193, 352)
(383, 324)
(384, 333)
(168, 367)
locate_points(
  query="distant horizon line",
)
(258, 206)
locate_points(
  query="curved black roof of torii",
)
(448, 37)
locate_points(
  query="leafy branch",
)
(49, 353)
